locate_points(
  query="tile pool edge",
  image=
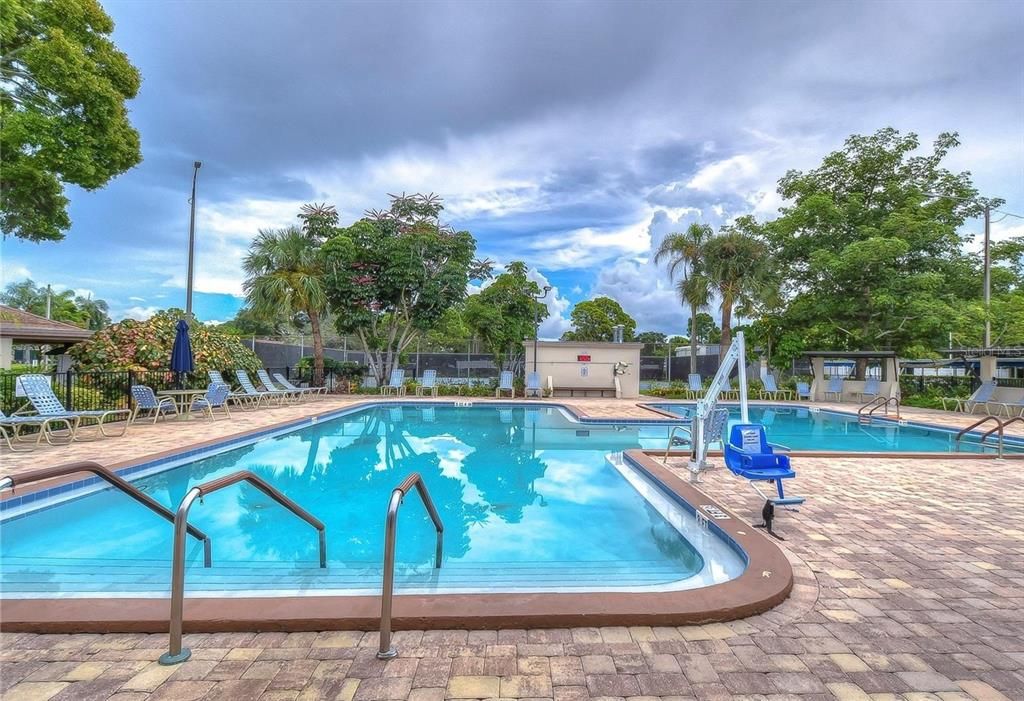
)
(765, 583)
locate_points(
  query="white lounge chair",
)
(981, 397)
(44, 401)
(505, 384)
(240, 398)
(269, 385)
(872, 388)
(1011, 408)
(533, 387)
(283, 381)
(695, 386)
(146, 400)
(216, 397)
(803, 391)
(10, 429)
(771, 389)
(250, 389)
(428, 384)
(396, 385)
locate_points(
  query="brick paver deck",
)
(910, 584)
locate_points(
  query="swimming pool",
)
(812, 429)
(532, 500)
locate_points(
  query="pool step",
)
(25, 576)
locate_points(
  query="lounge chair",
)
(835, 386)
(44, 401)
(981, 397)
(803, 391)
(748, 454)
(505, 384)
(730, 391)
(269, 385)
(146, 400)
(428, 384)
(1011, 409)
(240, 398)
(771, 389)
(695, 386)
(872, 388)
(265, 394)
(396, 385)
(533, 387)
(216, 397)
(10, 428)
(283, 381)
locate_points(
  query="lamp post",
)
(536, 323)
(191, 239)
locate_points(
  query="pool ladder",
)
(865, 413)
(998, 429)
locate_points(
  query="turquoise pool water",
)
(801, 428)
(530, 498)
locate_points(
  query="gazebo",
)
(19, 327)
(857, 367)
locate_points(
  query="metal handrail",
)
(176, 654)
(672, 437)
(386, 650)
(115, 481)
(979, 422)
(876, 404)
(1002, 430)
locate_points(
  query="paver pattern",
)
(909, 584)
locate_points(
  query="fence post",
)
(288, 373)
(69, 379)
(128, 389)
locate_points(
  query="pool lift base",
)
(388, 654)
(768, 510)
(167, 659)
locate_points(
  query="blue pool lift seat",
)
(748, 454)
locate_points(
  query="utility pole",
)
(191, 240)
(988, 275)
(49, 301)
(536, 323)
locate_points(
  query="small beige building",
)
(574, 368)
(18, 327)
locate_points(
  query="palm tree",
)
(284, 274)
(685, 251)
(735, 262)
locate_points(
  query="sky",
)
(573, 136)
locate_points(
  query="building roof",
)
(26, 327)
(851, 354)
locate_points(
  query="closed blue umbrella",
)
(181, 353)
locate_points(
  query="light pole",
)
(536, 323)
(191, 239)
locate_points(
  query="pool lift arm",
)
(735, 356)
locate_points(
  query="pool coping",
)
(765, 583)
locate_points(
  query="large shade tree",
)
(63, 120)
(504, 312)
(284, 273)
(684, 253)
(595, 320)
(80, 310)
(394, 273)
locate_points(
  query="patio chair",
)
(240, 398)
(835, 386)
(729, 391)
(216, 397)
(505, 384)
(748, 454)
(872, 388)
(428, 384)
(396, 385)
(146, 400)
(10, 428)
(315, 391)
(250, 389)
(44, 401)
(695, 386)
(1011, 408)
(533, 387)
(269, 385)
(771, 389)
(803, 391)
(981, 397)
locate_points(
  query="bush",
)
(146, 345)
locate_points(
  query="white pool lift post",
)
(735, 356)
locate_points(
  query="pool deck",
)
(909, 583)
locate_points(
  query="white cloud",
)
(13, 272)
(140, 313)
(587, 247)
(557, 322)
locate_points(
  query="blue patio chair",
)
(396, 385)
(216, 397)
(835, 386)
(259, 396)
(981, 397)
(533, 387)
(314, 391)
(239, 398)
(146, 400)
(730, 391)
(695, 386)
(10, 429)
(749, 455)
(44, 401)
(771, 389)
(872, 388)
(505, 384)
(428, 384)
(269, 385)
(803, 391)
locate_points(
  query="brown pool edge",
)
(766, 582)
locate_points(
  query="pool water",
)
(801, 428)
(531, 500)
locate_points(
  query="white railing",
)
(736, 356)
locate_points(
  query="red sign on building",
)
(583, 358)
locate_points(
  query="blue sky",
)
(573, 136)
